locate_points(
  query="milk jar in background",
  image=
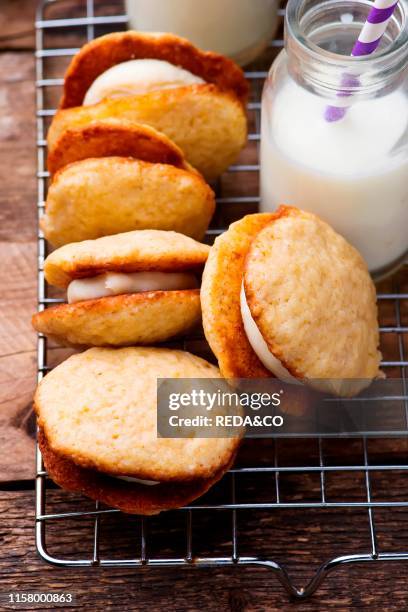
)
(240, 29)
(353, 172)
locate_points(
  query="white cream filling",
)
(259, 345)
(117, 283)
(148, 483)
(137, 77)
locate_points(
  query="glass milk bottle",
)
(352, 172)
(240, 29)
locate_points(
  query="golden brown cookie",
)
(97, 411)
(220, 290)
(208, 125)
(312, 298)
(130, 497)
(106, 51)
(129, 252)
(111, 138)
(122, 320)
(98, 197)
(128, 314)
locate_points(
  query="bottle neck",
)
(319, 37)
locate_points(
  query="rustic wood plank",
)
(285, 536)
(17, 148)
(17, 358)
(18, 264)
(17, 21)
(17, 24)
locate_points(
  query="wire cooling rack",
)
(61, 28)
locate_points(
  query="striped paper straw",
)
(367, 42)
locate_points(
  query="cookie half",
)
(110, 195)
(132, 288)
(144, 318)
(130, 497)
(112, 138)
(106, 51)
(208, 125)
(97, 411)
(312, 299)
(129, 252)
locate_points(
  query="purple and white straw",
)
(374, 27)
(367, 42)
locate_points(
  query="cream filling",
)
(117, 283)
(148, 483)
(259, 345)
(137, 77)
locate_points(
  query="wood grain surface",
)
(300, 539)
(18, 262)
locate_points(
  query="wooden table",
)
(302, 541)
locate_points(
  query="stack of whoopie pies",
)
(143, 118)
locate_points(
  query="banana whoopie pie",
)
(97, 417)
(284, 295)
(109, 195)
(197, 98)
(139, 287)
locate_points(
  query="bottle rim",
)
(392, 57)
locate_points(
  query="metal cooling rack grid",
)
(85, 22)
